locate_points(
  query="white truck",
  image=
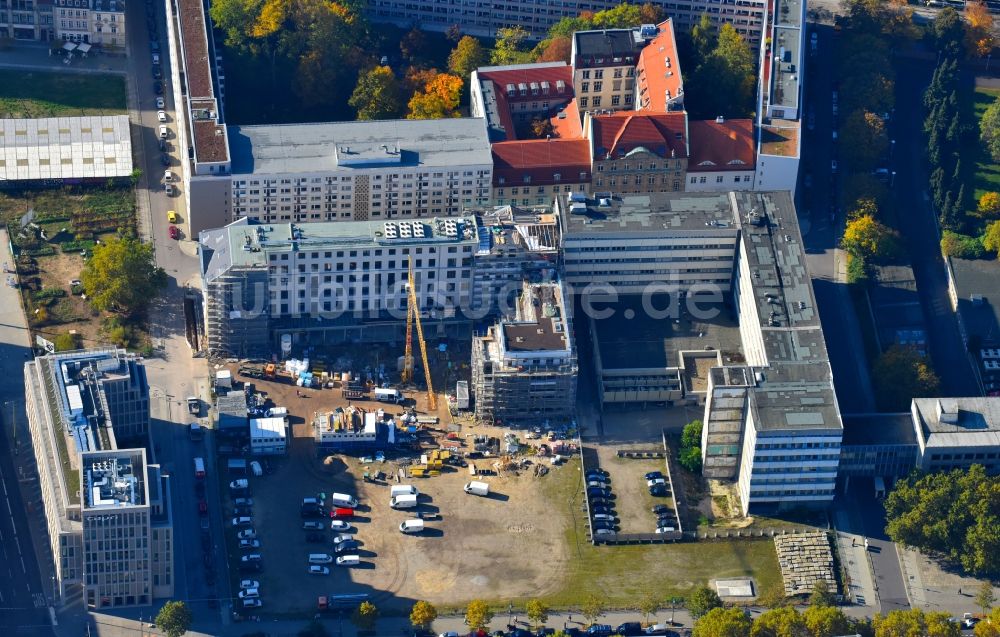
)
(462, 394)
(388, 395)
(477, 488)
(406, 501)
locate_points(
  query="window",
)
(585, 87)
(618, 72)
(597, 102)
(701, 180)
(615, 100)
(599, 74)
(718, 179)
(583, 102)
(598, 86)
(586, 75)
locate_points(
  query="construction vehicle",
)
(413, 315)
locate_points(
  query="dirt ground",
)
(496, 547)
(57, 271)
(633, 502)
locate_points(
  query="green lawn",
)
(41, 94)
(622, 575)
(987, 175)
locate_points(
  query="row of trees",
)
(955, 514)
(689, 454)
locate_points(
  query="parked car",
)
(659, 490)
(318, 570)
(629, 628)
(654, 474)
(312, 526)
(340, 526)
(607, 517)
(600, 630)
(239, 484)
(251, 557)
(603, 524)
(602, 510)
(601, 473)
(164, 158)
(601, 502)
(600, 532)
(312, 512)
(651, 482)
(164, 132)
(598, 492)
(243, 502)
(161, 116)
(657, 629)
(248, 593)
(247, 534)
(350, 545)
(242, 511)
(173, 232)
(337, 539)
(250, 566)
(249, 583)
(159, 103)
(314, 537)
(252, 603)
(666, 529)
(833, 165)
(660, 509)
(158, 88)
(246, 545)
(599, 484)
(242, 521)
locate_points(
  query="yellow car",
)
(171, 216)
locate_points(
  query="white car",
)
(319, 570)
(249, 583)
(655, 481)
(249, 544)
(833, 165)
(242, 521)
(160, 103)
(320, 558)
(247, 534)
(340, 525)
(249, 593)
(161, 115)
(239, 484)
(164, 133)
(665, 529)
(168, 176)
(337, 539)
(253, 602)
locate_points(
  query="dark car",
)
(202, 507)
(156, 73)
(242, 511)
(660, 509)
(659, 490)
(598, 492)
(314, 537)
(250, 566)
(601, 502)
(349, 545)
(603, 524)
(599, 474)
(629, 628)
(312, 512)
(520, 632)
(652, 475)
(602, 509)
(600, 630)
(165, 159)
(158, 88)
(545, 632)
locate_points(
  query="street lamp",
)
(892, 148)
(892, 179)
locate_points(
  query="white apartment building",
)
(90, 487)
(335, 280)
(353, 171)
(482, 19)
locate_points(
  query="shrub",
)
(962, 246)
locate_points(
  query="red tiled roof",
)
(528, 73)
(568, 127)
(726, 145)
(195, 44)
(659, 70)
(619, 133)
(541, 159)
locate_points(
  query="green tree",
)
(507, 49)
(864, 140)
(467, 56)
(66, 342)
(423, 614)
(989, 129)
(826, 621)
(869, 240)
(622, 16)
(538, 612)
(593, 608)
(702, 600)
(949, 33)
(690, 450)
(364, 616)
(991, 237)
(174, 619)
(962, 246)
(722, 622)
(821, 594)
(703, 37)
(724, 78)
(121, 276)
(378, 95)
(648, 605)
(780, 622)
(900, 623)
(985, 598)
(902, 374)
(478, 614)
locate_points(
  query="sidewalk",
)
(34, 56)
(859, 584)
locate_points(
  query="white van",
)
(403, 489)
(320, 558)
(256, 468)
(348, 560)
(388, 395)
(406, 501)
(477, 488)
(411, 526)
(343, 500)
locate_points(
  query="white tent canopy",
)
(69, 46)
(83, 47)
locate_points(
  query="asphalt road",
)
(818, 204)
(882, 552)
(919, 231)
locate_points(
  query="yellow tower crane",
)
(413, 314)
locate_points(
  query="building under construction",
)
(524, 368)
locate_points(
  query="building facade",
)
(955, 433)
(91, 488)
(99, 22)
(26, 20)
(638, 152)
(524, 368)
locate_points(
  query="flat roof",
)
(977, 285)
(194, 42)
(343, 146)
(540, 325)
(632, 339)
(92, 147)
(247, 243)
(653, 213)
(267, 427)
(878, 429)
(210, 141)
(959, 422)
(113, 479)
(607, 47)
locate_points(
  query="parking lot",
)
(477, 547)
(633, 503)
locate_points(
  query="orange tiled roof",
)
(659, 70)
(540, 160)
(726, 145)
(528, 74)
(568, 127)
(619, 133)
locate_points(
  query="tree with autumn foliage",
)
(864, 140)
(467, 56)
(438, 99)
(868, 240)
(557, 49)
(989, 204)
(900, 374)
(508, 48)
(978, 28)
(377, 95)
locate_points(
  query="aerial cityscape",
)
(444, 318)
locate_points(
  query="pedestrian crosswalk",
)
(39, 600)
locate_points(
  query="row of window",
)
(595, 102)
(364, 253)
(267, 183)
(541, 190)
